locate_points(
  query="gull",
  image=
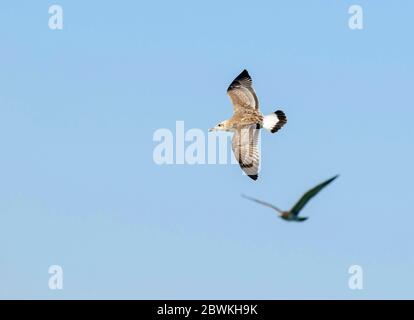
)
(246, 122)
(293, 214)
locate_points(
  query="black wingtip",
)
(333, 178)
(243, 76)
(253, 176)
(329, 181)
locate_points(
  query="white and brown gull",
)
(246, 122)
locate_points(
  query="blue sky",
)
(79, 188)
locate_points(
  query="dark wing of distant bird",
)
(246, 150)
(262, 202)
(309, 195)
(242, 94)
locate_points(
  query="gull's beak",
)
(212, 129)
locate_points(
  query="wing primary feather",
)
(242, 93)
(309, 195)
(242, 79)
(262, 203)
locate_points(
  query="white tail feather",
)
(274, 121)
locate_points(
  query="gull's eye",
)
(219, 124)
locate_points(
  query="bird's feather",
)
(309, 195)
(263, 203)
(242, 94)
(245, 145)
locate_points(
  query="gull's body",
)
(293, 214)
(246, 122)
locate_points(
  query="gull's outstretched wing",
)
(242, 94)
(263, 203)
(309, 195)
(246, 150)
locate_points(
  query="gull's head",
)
(222, 126)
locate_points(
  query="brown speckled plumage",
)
(246, 123)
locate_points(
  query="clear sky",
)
(79, 187)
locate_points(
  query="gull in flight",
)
(293, 214)
(246, 122)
